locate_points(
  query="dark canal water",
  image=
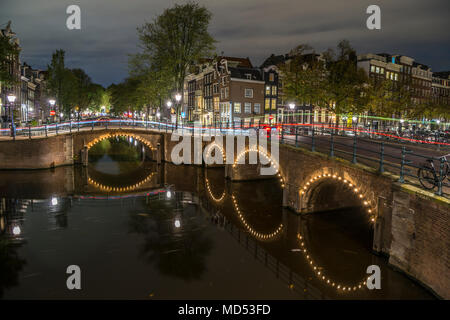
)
(142, 231)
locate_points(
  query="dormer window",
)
(248, 76)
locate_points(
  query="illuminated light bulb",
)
(366, 203)
(345, 181)
(16, 231)
(369, 210)
(54, 201)
(350, 185)
(356, 190)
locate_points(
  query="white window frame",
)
(246, 90)
(247, 107)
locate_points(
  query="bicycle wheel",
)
(427, 177)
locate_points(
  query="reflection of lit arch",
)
(212, 195)
(120, 189)
(262, 152)
(217, 147)
(306, 189)
(120, 134)
(318, 271)
(260, 236)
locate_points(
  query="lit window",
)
(378, 70)
(372, 68)
(237, 107)
(271, 77)
(267, 90)
(274, 104)
(274, 90)
(267, 104)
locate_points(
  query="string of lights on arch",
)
(253, 232)
(320, 274)
(208, 187)
(120, 134)
(120, 189)
(365, 202)
(221, 149)
(262, 152)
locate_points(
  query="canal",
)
(139, 230)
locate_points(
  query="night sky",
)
(246, 28)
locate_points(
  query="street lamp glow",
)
(52, 102)
(158, 114)
(292, 106)
(169, 103)
(177, 223)
(168, 194)
(54, 201)
(354, 118)
(178, 97)
(11, 98)
(438, 121)
(16, 231)
(401, 120)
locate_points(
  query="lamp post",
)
(52, 104)
(178, 99)
(292, 107)
(11, 100)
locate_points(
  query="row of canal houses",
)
(232, 90)
(30, 89)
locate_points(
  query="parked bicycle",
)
(430, 176)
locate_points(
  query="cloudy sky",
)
(246, 28)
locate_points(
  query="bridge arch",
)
(268, 157)
(315, 180)
(216, 147)
(135, 136)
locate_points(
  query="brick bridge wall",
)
(411, 225)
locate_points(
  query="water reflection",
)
(11, 264)
(174, 237)
(116, 155)
(186, 232)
